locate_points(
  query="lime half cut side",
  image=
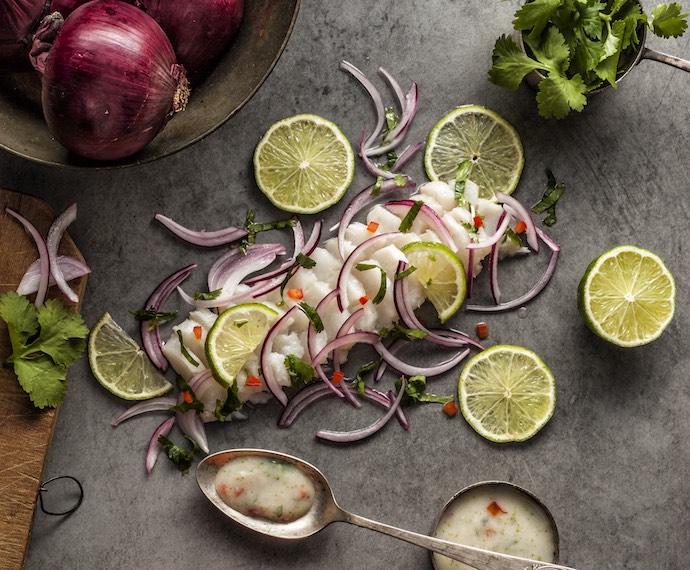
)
(304, 164)
(235, 335)
(120, 365)
(441, 273)
(507, 393)
(478, 135)
(627, 296)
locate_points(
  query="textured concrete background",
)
(612, 464)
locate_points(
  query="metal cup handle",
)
(671, 60)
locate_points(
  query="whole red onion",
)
(111, 81)
(18, 19)
(199, 30)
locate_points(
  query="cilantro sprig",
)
(578, 45)
(45, 342)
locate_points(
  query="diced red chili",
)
(520, 227)
(338, 377)
(252, 381)
(197, 332)
(495, 509)
(187, 395)
(372, 227)
(363, 299)
(296, 294)
(482, 330)
(450, 409)
(478, 221)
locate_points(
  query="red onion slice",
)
(395, 87)
(523, 214)
(430, 217)
(343, 330)
(369, 164)
(191, 425)
(55, 233)
(470, 273)
(504, 222)
(410, 370)
(155, 446)
(43, 256)
(394, 137)
(160, 404)
(537, 288)
(150, 336)
(311, 342)
(71, 268)
(356, 255)
(375, 97)
(493, 274)
(351, 338)
(232, 268)
(359, 434)
(202, 238)
(298, 236)
(405, 156)
(271, 383)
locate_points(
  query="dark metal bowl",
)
(216, 97)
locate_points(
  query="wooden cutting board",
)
(25, 432)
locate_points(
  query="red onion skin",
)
(199, 30)
(18, 20)
(111, 81)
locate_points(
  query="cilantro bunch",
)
(578, 45)
(45, 341)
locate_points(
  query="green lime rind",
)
(506, 393)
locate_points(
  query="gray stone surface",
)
(612, 464)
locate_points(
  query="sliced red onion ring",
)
(411, 370)
(191, 425)
(271, 383)
(160, 404)
(493, 274)
(503, 223)
(231, 268)
(345, 329)
(375, 97)
(430, 217)
(369, 164)
(395, 87)
(521, 213)
(537, 288)
(311, 342)
(150, 336)
(55, 233)
(155, 446)
(346, 270)
(346, 339)
(383, 365)
(470, 273)
(359, 434)
(298, 234)
(71, 268)
(43, 257)
(202, 238)
(394, 137)
(405, 156)
(363, 199)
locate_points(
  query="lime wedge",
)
(120, 365)
(480, 136)
(237, 332)
(627, 296)
(304, 164)
(441, 273)
(506, 393)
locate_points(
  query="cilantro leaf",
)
(667, 21)
(300, 372)
(510, 64)
(535, 15)
(554, 191)
(181, 457)
(45, 341)
(557, 95)
(232, 403)
(415, 392)
(152, 316)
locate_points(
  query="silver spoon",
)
(325, 511)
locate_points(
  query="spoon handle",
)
(667, 59)
(475, 557)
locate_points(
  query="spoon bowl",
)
(325, 510)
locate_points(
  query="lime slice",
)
(304, 164)
(506, 393)
(480, 136)
(120, 365)
(627, 296)
(237, 332)
(441, 273)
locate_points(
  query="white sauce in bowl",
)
(265, 488)
(500, 518)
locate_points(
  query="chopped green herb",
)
(554, 190)
(209, 296)
(184, 405)
(254, 228)
(409, 218)
(232, 403)
(300, 372)
(363, 371)
(182, 458)
(301, 260)
(381, 293)
(152, 316)
(312, 315)
(376, 188)
(402, 274)
(45, 342)
(397, 331)
(183, 349)
(415, 392)
(239, 323)
(461, 179)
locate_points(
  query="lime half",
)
(235, 335)
(627, 296)
(441, 273)
(304, 164)
(506, 393)
(480, 136)
(120, 365)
